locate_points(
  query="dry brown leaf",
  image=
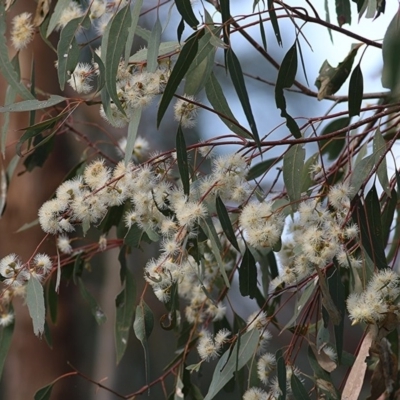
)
(355, 379)
(323, 359)
(42, 10)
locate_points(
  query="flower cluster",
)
(319, 234)
(22, 31)
(209, 347)
(379, 298)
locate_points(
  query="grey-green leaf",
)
(35, 303)
(132, 133)
(44, 393)
(153, 46)
(132, 29)
(6, 333)
(29, 105)
(232, 361)
(379, 147)
(185, 9)
(97, 312)
(125, 308)
(182, 159)
(293, 165)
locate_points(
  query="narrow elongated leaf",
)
(29, 105)
(260, 168)
(6, 333)
(388, 216)
(35, 303)
(68, 49)
(112, 47)
(274, 21)
(343, 12)
(11, 94)
(334, 146)
(356, 91)
(226, 223)
(293, 165)
(97, 312)
(248, 275)
(262, 32)
(6, 67)
(132, 133)
(235, 71)
(379, 147)
(125, 308)
(143, 326)
(165, 48)
(132, 29)
(298, 390)
(306, 178)
(216, 97)
(391, 55)
(361, 171)
(182, 158)
(185, 9)
(330, 79)
(226, 22)
(188, 53)
(44, 393)
(232, 361)
(61, 5)
(152, 48)
(281, 372)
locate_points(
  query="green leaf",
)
(132, 29)
(391, 55)
(379, 147)
(185, 59)
(362, 169)
(44, 393)
(293, 165)
(125, 308)
(101, 80)
(356, 91)
(306, 178)
(236, 73)
(6, 333)
(68, 48)
(61, 5)
(334, 146)
(6, 67)
(143, 326)
(185, 9)
(226, 223)
(248, 275)
(232, 361)
(35, 303)
(42, 147)
(112, 47)
(182, 158)
(153, 47)
(262, 32)
(52, 298)
(133, 237)
(274, 21)
(298, 390)
(132, 133)
(330, 79)
(388, 216)
(216, 97)
(343, 12)
(29, 105)
(281, 373)
(97, 312)
(260, 168)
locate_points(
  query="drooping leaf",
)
(29, 105)
(112, 47)
(182, 158)
(68, 48)
(132, 29)
(274, 21)
(343, 12)
(143, 326)
(260, 168)
(35, 303)
(226, 223)
(356, 91)
(6, 333)
(235, 71)
(125, 308)
(298, 390)
(185, 9)
(216, 97)
(188, 53)
(132, 133)
(6, 67)
(248, 275)
(306, 177)
(281, 372)
(330, 79)
(379, 147)
(334, 146)
(328, 18)
(391, 55)
(226, 22)
(232, 361)
(362, 169)
(40, 151)
(44, 393)
(97, 312)
(293, 165)
(388, 216)
(133, 236)
(164, 49)
(153, 46)
(61, 5)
